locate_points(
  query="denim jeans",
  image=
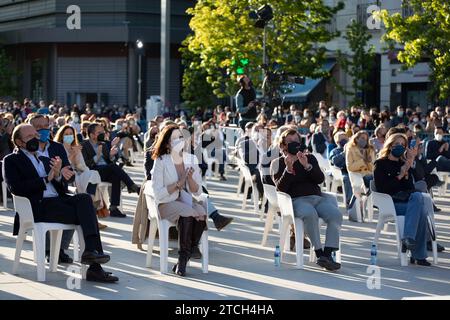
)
(415, 212)
(347, 187)
(310, 209)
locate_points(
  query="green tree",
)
(7, 74)
(223, 33)
(197, 92)
(360, 62)
(423, 35)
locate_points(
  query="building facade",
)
(99, 62)
(390, 85)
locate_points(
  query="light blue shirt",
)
(99, 161)
(50, 191)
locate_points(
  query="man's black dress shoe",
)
(100, 276)
(91, 257)
(116, 213)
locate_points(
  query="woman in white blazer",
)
(176, 181)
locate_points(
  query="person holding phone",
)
(298, 174)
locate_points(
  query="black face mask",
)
(101, 137)
(295, 147)
(32, 145)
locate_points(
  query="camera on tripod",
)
(281, 77)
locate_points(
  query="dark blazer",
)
(23, 180)
(432, 150)
(89, 153)
(56, 149)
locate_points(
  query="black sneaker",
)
(116, 213)
(221, 222)
(420, 262)
(195, 253)
(328, 263)
(439, 247)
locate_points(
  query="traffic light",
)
(240, 65)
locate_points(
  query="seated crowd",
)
(47, 149)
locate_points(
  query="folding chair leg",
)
(205, 251)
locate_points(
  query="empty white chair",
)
(163, 225)
(386, 214)
(270, 192)
(249, 182)
(210, 161)
(23, 207)
(288, 218)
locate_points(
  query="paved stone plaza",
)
(239, 267)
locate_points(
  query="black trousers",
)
(78, 210)
(113, 174)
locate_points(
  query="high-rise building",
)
(99, 62)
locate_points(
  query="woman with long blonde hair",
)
(393, 176)
(360, 156)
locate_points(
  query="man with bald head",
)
(46, 188)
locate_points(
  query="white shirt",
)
(50, 191)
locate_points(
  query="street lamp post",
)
(140, 46)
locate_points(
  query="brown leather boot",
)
(185, 228)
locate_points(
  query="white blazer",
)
(164, 174)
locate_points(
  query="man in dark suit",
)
(49, 149)
(46, 187)
(100, 155)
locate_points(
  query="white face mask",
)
(177, 145)
(439, 137)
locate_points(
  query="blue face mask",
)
(398, 150)
(342, 143)
(44, 135)
(68, 139)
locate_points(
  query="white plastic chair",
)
(270, 192)
(105, 187)
(4, 188)
(338, 181)
(163, 225)
(325, 166)
(288, 218)
(386, 214)
(23, 207)
(445, 177)
(364, 204)
(210, 161)
(249, 182)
